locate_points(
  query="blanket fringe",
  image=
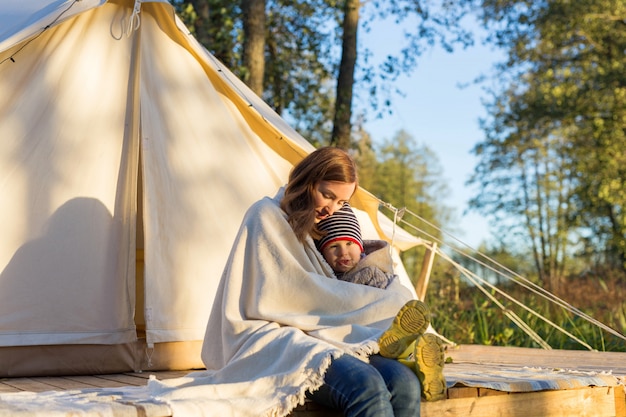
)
(315, 379)
(365, 351)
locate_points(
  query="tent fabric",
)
(104, 129)
(66, 167)
(190, 215)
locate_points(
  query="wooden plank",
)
(28, 384)
(4, 387)
(96, 381)
(125, 379)
(584, 402)
(620, 401)
(462, 392)
(483, 392)
(62, 383)
(556, 358)
(117, 410)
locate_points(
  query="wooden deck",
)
(574, 401)
(571, 399)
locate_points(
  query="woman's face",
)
(330, 196)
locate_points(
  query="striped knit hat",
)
(342, 225)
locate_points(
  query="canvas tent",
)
(128, 156)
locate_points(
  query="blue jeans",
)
(382, 388)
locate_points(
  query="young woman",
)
(283, 327)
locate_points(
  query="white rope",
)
(520, 280)
(48, 26)
(134, 21)
(479, 282)
(514, 277)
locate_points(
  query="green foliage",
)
(430, 23)
(526, 186)
(465, 316)
(552, 161)
(216, 25)
(407, 175)
(303, 50)
(299, 64)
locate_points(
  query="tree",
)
(299, 77)
(406, 175)
(253, 12)
(311, 49)
(213, 23)
(342, 126)
(296, 79)
(525, 185)
(432, 24)
(565, 69)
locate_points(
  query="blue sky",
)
(437, 112)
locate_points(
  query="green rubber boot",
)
(410, 323)
(429, 363)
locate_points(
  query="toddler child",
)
(369, 263)
(354, 260)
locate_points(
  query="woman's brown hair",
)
(324, 164)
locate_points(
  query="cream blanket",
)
(279, 317)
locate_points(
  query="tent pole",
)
(427, 266)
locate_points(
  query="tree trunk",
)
(212, 26)
(345, 81)
(201, 23)
(254, 43)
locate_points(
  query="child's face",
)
(342, 255)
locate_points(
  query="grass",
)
(466, 316)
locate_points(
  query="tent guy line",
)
(507, 274)
(12, 56)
